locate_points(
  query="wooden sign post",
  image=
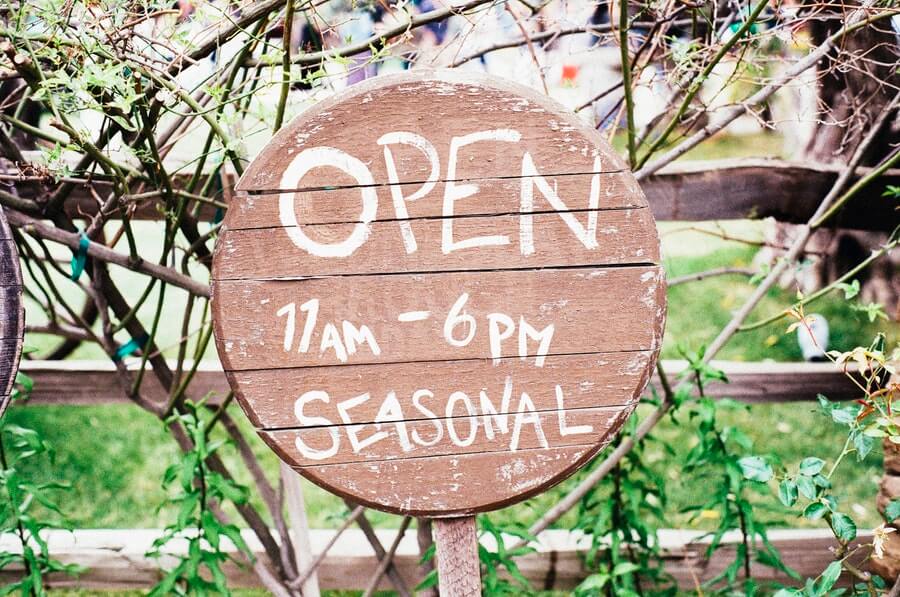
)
(438, 294)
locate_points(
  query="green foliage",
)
(493, 563)
(622, 515)
(196, 490)
(809, 488)
(24, 503)
(721, 459)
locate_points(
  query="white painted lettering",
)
(423, 145)
(315, 157)
(531, 178)
(473, 421)
(306, 421)
(531, 418)
(564, 429)
(453, 192)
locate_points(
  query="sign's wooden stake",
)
(293, 493)
(459, 571)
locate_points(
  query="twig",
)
(285, 65)
(37, 228)
(373, 540)
(710, 273)
(856, 18)
(530, 45)
(387, 559)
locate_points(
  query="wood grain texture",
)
(542, 429)
(684, 191)
(12, 312)
(622, 307)
(339, 204)
(593, 380)
(437, 106)
(459, 569)
(451, 486)
(437, 293)
(624, 237)
(84, 383)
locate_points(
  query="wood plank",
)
(459, 567)
(12, 312)
(573, 300)
(622, 237)
(480, 434)
(437, 106)
(607, 379)
(467, 482)
(85, 383)
(760, 188)
(115, 559)
(490, 196)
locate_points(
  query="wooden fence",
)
(116, 558)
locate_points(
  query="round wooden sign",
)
(12, 313)
(438, 293)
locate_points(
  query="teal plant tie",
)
(80, 256)
(130, 347)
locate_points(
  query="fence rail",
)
(95, 382)
(115, 559)
(754, 188)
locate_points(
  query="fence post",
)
(293, 493)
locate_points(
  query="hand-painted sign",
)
(437, 293)
(12, 312)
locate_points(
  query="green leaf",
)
(594, 582)
(625, 568)
(850, 290)
(830, 576)
(843, 526)
(807, 487)
(892, 510)
(787, 492)
(815, 511)
(863, 445)
(811, 466)
(755, 468)
(844, 416)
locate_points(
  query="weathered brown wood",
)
(116, 559)
(607, 379)
(86, 383)
(459, 570)
(759, 188)
(543, 429)
(12, 312)
(624, 236)
(452, 486)
(438, 106)
(334, 203)
(363, 234)
(622, 307)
